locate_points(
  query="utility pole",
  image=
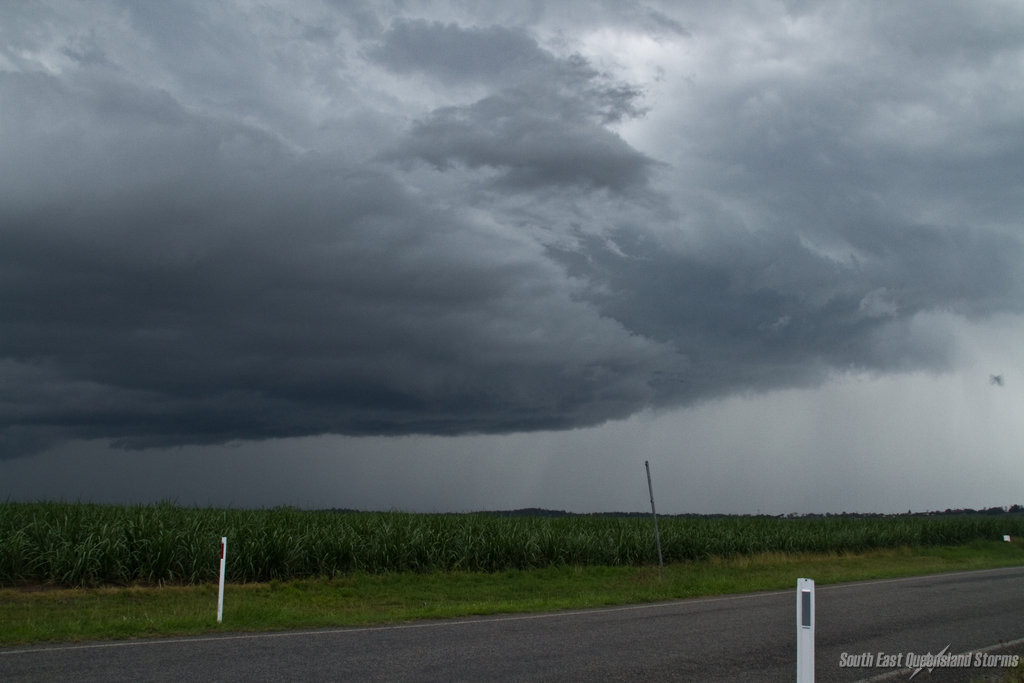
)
(654, 514)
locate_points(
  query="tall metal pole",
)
(657, 536)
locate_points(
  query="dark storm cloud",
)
(223, 224)
(545, 125)
(765, 311)
(202, 284)
(530, 141)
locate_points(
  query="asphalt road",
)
(744, 637)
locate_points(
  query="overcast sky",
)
(449, 256)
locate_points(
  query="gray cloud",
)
(204, 284)
(545, 124)
(453, 53)
(531, 141)
(370, 223)
(767, 311)
(505, 58)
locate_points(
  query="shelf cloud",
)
(228, 223)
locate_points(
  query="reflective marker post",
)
(805, 630)
(220, 591)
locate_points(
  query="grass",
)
(1013, 675)
(83, 572)
(362, 598)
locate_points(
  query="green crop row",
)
(83, 544)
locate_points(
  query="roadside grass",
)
(1014, 675)
(40, 614)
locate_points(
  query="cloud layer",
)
(225, 223)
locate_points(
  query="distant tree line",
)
(543, 512)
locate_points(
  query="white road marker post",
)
(220, 591)
(805, 630)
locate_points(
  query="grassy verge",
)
(31, 616)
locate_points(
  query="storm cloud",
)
(223, 223)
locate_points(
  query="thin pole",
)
(220, 590)
(654, 514)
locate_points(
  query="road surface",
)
(730, 638)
